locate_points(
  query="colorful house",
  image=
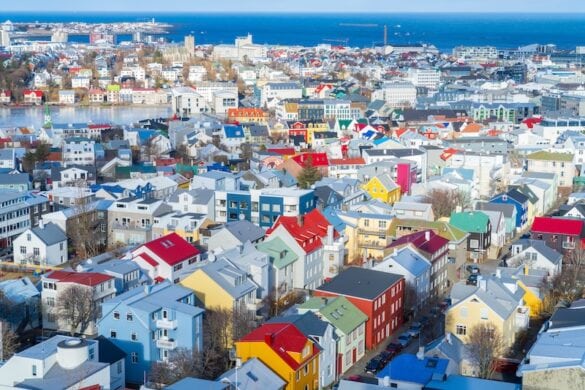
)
(285, 350)
(562, 234)
(382, 187)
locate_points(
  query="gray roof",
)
(308, 323)
(540, 246)
(361, 283)
(253, 375)
(200, 195)
(507, 209)
(495, 295)
(196, 383)
(50, 234)
(16, 178)
(58, 378)
(229, 277)
(245, 231)
(19, 290)
(567, 318)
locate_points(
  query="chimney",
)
(330, 232)
(41, 224)
(268, 338)
(427, 235)
(301, 220)
(499, 273)
(448, 338)
(420, 355)
(482, 283)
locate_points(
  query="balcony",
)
(131, 226)
(166, 324)
(166, 343)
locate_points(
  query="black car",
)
(386, 356)
(394, 347)
(374, 365)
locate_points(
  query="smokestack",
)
(482, 283)
(427, 235)
(420, 355)
(330, 232)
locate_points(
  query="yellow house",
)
(221, 284)
(383, 188)
(285, 350)
(490, 302)
(367, 235)
(529, 280)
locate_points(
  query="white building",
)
(223, 101)
(428, 78)
(207, 89)
(67, 97)
(186, 101)
(396, 93)
(55, 283)
(197, 73)
(476, 53)
(68, 363)
(45, 245)
(14, 216)
(280, 91)
(78, 151)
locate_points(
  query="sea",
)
(444, 30)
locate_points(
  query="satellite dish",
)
(211, 257)
(241, 217)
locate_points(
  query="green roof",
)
(340, 312)
(470, 221)
(113, 88)
(280, 254)
(550, 156)
(442, 228)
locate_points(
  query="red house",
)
(380, 295)
(562, 234)
(33, 96)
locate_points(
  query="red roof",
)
(282, 151)
(85, 278)
(418, 240)
(282, 338)
(149, 259)
(530, 122)
(316, 159)
(159, 279)
(307, 231)
(347, 161)
(566, 226)
(36, 92)
(172, 248)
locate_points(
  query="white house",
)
(55, 282)
(186, 101)
(535, 254)
(63, 362)
(169, 257)
(45, 244)
(67, 97)
(78, 151)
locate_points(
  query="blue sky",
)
(569, 6)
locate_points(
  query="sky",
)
(335, 6)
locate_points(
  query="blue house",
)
(519, 201)
(149, 323)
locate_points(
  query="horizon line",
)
(65, 11)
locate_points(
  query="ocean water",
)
(359, 30)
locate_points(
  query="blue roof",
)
(408, 368)
(19, 290)
(232, 131)
(460, 382)
(196, 383)
(331, 215)
(411, 261)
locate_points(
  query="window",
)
(133, 336)
(165, 314)
(23, 250)
(461, 330)
(113, 334)
(129, 317)
(36, 251)
(483, 313)
(50, 301)
(306, 369)
(348, 358)
(91, 353)
(134, 357)
(34, 370)
(298, 376)
(116, 315)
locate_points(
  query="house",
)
(519, 201)
(490, 301)
(508, 211)
(576, 210)
(467, 382)
(252, 375)
(295, 164)
(530, 280)
(383, 188)
(409, 371)
(63, 362)
(498, 238)
(316, 243)
(187, 225)
(366, 234)
(44, 245)
(415, 269)
(559, 163)
(197, 200)
(235, 233)
(34, 97)
(78, 151)
(345, 167)
(413, 210)
(379, 295)
(246, 115)
(194, 383)
(479, 227)
(349, 323)
(562, 234)
(170, 257)
(284, 349)
(21, 304)
(435, 249)
(149, 323)
(556, 359)
(220, 284)
(55, 283)
(126, 273)
(15, 181)
(283, 260)
(535, 254)
(67, 97)
(451, 348)
(324, 334)
(5, 96)
(8, 158)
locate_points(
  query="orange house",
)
(247, 115)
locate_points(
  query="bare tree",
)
(82, 229)
(77, 308)
(9, 342)
(484, 346)
(444, 201)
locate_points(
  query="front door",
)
(354, 353)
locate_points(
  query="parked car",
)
(394, 347)
(424, 321)
(414, 329)
(404, 339)
(472, 279)
(354, 378)
(374, 365)
(473, 269)
(386, 356)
